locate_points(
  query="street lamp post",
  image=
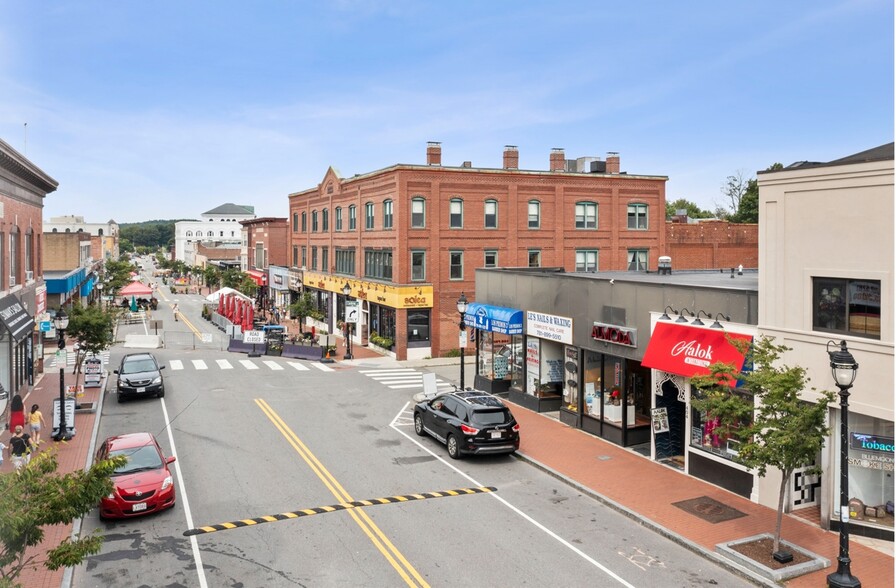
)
(843, 368)
(99, 288)
(61, 323)
(347, 289)
(462, 308)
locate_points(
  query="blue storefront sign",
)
(871, 443)
(497, 319)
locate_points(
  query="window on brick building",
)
(325, 259)
(637, 260)
(456, 265)
(295, 256)
(338, 218)
(586, 260)
(534, 258)
(313, 257)
(534, 214)
(637, 216)
(352, 217)
(29, 251)
(368, 215)
(259, 255)
(378, 264)
(387, 214)
(418, 266)
(491, 258)
(325, 220)
(456, 213)
(295, 222)
(345, 262)
(304, 222)
(586, 215)
(313, 221)
(491, 214)
(304, 256)
(418, 213)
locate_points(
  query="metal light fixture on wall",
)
(681, 318)
(843, 368)
(697, 321)
(665, 316)
(717, 324)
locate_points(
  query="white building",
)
(826, 274)
(220, 225)
(104, 236)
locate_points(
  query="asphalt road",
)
(282, 438)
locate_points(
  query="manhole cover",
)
(709, 509)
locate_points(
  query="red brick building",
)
(408, 238)
(712, 244)
(265, 242)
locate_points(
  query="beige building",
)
(826, 274)
(103, 236)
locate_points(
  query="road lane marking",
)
(402, 418)
(175, 364)
(199, 364)
(224, 364)
(407, 572)
(248, 364)
(194, 544)
(272, 364)
(299, 366)
(307, 512)
(322, 367)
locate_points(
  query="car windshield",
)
(490, 417)
(139, 459)
(135, 366)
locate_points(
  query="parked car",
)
(143, 484)
(140, 374)
(468, 422)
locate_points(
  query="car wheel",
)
(453, 449)
(418, 425)
(161, 394)
(120, 397)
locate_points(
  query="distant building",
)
(266, 242)
(103, 236)
(219, 225)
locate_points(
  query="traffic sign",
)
(352, 311)
(253, 337)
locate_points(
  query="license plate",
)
(141, 389)
(138, 507)
(497, 434)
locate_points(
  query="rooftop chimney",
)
(511, 157)
(433, 153)
(558, 159)
(612, 162)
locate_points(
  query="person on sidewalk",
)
(16, 413)
(36, 420)
(176, 310)
(20, 448)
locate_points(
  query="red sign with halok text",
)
(689, 351)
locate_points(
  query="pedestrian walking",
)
(2, 449)
(20, 448)
(36, 420)
(16, 413)
(176, 310)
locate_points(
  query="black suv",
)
(139, 374)
(468, 422)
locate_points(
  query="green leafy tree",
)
(36, 497)
(247, 286)
(693, 211)
(303, 307)
(231, 278)
(785, 432)
(92, 327)
(211, 275)
(748, 207)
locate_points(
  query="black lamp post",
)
(843, 367)
(61, 323)
(347, 289)
(462, 308)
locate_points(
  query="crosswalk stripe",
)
(224, 364)
(322, 367)
(273, 365)
(175, 364)
(248, 364)
(299, 366)
(387, 371)
(199, 364)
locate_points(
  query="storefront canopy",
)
(496, 319)
(135, 289)
(689, 351)
(258, 277)
(15, 318)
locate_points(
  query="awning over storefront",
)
(496, 319)
(258, 277)
(689, 351)
(15, 318)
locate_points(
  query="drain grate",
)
(709, 509)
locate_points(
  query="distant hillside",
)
(153, 234)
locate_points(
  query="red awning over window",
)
(258, 277)
(688, 351)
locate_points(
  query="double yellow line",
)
(410, 575)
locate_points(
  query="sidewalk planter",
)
(298, 351)
(381, 350)
(816, 562)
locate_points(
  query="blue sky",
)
(163, 109)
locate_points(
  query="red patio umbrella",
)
(221, 304)
(250, 317)
(230, 308)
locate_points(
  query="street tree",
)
(733, 190)
(212, 276)
(775, 427)
(303, 307)
(92, 327)
(36, 497)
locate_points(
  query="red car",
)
(142, 485)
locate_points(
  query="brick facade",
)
(712, 244)
(556, 238)
(271, 233)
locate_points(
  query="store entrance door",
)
(670, 445)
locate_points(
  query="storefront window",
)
(870, 460)
(382, 321)
(494, 352)
(514, 353)
(708, 434)
(571, 390)
(418, 327)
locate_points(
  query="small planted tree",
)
(303, 307)
(92, 328)
(36, 497)
(779, 429)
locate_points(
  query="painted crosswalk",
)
(71, 356)
(400, 378)
(176, 365)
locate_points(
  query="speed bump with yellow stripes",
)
(336, 507)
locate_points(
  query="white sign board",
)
(353, 311)
(463, 339)
(253, 337)
(548, 326)
(69, 415)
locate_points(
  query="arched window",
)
(313, 221)
(491, 214)
(586, 215)
(456, 213)
(211, 233)
(387, 214)
(368, 215)
(189, 233)
(325, 220)
(304, 222)
(352, 217)
(534, 214)
(637, 216)
(418, 212)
